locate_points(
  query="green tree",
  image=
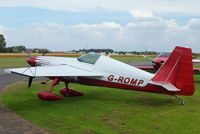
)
(2, 43)
(15, 49)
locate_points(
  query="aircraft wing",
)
(54, 71)
(195, 61)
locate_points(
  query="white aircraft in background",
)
(175, 77)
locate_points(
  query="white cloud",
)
(141, 14)
(194, 24)
(2, 28)
(181, 6)
(156, 34)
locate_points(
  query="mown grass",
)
(106, 110)
(13, 62)
(196, 65)
(127, 59)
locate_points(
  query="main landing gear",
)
(180, 100)
(48, 95)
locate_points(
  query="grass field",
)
(103, 110)
(106, 110)
(13, 62)
(129, 58)
(196, 65)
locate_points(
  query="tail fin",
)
(178, 70)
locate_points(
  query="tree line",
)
(109, 51)
(17, 49)
(13, 49)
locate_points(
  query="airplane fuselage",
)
(116, 73)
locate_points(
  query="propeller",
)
(28, 52)
(44, 53)
(34, 64)
(149, 58)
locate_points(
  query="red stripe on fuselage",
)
(148, 88)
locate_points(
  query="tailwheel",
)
(70, 92)
(48, 95)
(180, 100)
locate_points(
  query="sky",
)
(122, 25)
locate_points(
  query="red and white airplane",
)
(160, 59)
(175, 77)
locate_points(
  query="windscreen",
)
(89, 58)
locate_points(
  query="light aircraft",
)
(175, 77)
(160, 59)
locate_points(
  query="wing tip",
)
(7, 71)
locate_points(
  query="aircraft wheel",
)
(70, 92)
(182, 103)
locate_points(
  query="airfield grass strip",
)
(9, 62)
(106, 110)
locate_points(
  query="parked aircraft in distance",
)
(175, 77)
(160, 59)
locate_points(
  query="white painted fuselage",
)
(114, 71)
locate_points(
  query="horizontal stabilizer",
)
(167, 85)
(196, 61)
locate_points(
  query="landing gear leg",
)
(67, 89)
(69, 92)
(48, 95)
(180, 100)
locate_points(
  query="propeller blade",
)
(28, 52)
(148, 58)
(44, 53)
(30, 81)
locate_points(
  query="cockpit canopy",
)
(90, 58)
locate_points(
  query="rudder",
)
(178, 70)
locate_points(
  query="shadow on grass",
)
(155, 101)
(28, 99)
(95, 98)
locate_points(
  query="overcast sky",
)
(129, 25)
